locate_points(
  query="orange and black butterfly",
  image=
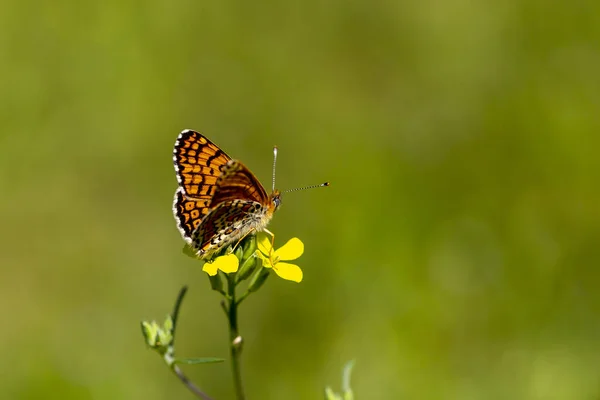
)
(219, 201)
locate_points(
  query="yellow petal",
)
(263, 241)
(288, 272)
(210, 268)
(227, 264)
(291, 250)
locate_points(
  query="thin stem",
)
(190, 385)
(242, 297)
(234, 342)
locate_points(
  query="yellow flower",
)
(272, 258)
(228, 263)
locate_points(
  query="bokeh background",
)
(455, 255)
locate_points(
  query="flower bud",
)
(150, 332)
(249, 246)
(247, 268)
(258, 279)
(239, 253)
(158, 337)
(216, 283)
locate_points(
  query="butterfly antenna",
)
(274, 164)
(307, 187)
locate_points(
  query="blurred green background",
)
(455, 255)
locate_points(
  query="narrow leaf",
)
(204, 360)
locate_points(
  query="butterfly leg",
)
(242, 238)
(268, 232)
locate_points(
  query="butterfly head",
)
(275, 199)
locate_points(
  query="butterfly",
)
(218, 201)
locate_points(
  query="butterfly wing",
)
(188, 213)
(236, 182)
(198, 164)
(218, 200)
(227, 222)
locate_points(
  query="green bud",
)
(157, 337)
(164, 338)
(150, 332)
(168, 325)
(239, 253)
(165, 334)
(247, 268)
(258, 279)
(249, 246)
(216, 283)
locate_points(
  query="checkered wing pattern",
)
(226, 223)
(198, 164)
(188, 213)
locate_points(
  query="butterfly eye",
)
(276, 201)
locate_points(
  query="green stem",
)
(242, 297)
(234, 340)
(190, 385)
(174, 316)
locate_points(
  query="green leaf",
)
(204, 360)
